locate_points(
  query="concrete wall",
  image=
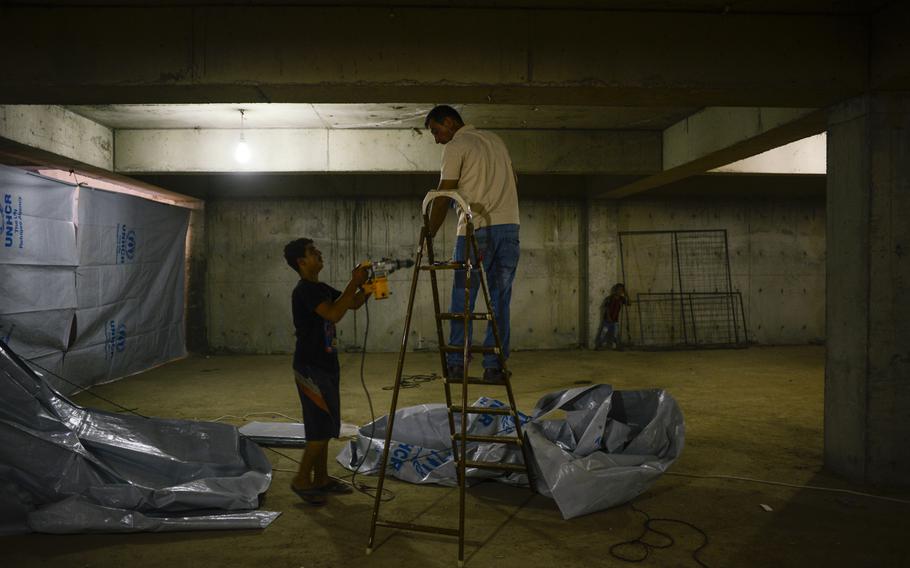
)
(569, 260)
(248, 283)
(777, 257)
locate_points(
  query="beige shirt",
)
(480, 161)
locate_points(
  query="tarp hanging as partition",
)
(38, 258)
(91, 282)
(129, 286)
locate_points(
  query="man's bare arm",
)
(360, 298)
(334, 311)
(441, 205)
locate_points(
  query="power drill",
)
(378, 282)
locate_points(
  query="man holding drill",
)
(476, 164)
(316, 308)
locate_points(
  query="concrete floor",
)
(754, 413)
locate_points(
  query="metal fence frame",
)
(687, 297)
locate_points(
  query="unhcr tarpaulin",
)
(421, 451)
(129, 286)
(38, 259)
(609, 447)
(68, 469)
(91, 282)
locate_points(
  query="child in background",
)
(611, 307)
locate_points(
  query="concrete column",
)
(196, 259)
(867, 376)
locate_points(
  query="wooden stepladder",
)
(473, 269)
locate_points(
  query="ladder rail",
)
(466, 355)
(440, 336)
(473, 268)
(433, 195)
(391, 419)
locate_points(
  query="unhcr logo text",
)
(126, 244)
(114, 338)
(11, 227)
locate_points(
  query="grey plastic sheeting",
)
(421, 451)
(129, 286)
(91, 282)
(609, 448)
(68, 469)
(38, 259)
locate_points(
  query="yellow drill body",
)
(378, 282)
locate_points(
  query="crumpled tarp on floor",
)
(68, 469)
(592, 447)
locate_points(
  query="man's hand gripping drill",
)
(379, 270)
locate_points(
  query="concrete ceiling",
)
(232, 186)
(816, 7)
(610, 88)
(628, 53)
(385, 116)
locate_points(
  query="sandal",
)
(336, 486)
(311, 496)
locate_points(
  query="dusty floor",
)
(754, 413)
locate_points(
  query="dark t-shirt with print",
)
(316, 345)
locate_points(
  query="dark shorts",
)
(320, 401)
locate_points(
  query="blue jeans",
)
(609, 331)
(499, 251)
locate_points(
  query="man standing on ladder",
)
(476, 164)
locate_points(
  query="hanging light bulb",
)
(242, 151)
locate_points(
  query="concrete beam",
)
(718, 136)
(61, 144)
(374, 150)
(120, 184)
(804, 157)
(237, 54)
(58, 131)
(73, 171)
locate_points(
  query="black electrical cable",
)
(414, 381)
(646, 547)
(363, 487)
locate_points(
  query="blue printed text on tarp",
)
(126, 244)
(115, 338)
(12, 226)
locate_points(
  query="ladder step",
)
(492, 439)
(455, 316)
(444, 266)
(471, 348)
(483, 409)
(417, 528)
(517, 467)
